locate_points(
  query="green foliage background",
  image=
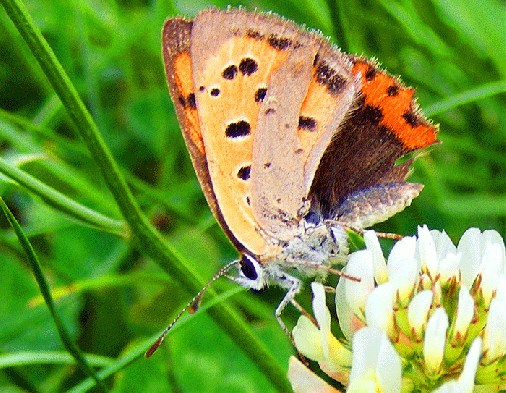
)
(113, 298)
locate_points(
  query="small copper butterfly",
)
(291, 139)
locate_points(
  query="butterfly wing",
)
(236, 60)
(384, 125)
(176, 43)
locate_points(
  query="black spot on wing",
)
(255, 34)
(279, 43)
(260, 94)
(307, 123)
(336, 84)
(393, 90)
(230, 72)
(190, 101)
(244, 172)
(327, 76)
(248, 66)
(411, 118)
(370, 74)
(238, 129)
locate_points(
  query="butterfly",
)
(292, 140)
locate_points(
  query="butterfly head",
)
(251, 273)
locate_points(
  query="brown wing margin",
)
(176, 35)
(383, 125)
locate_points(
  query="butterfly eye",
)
(248, 267)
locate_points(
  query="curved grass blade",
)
(46, 293)
(61, 203)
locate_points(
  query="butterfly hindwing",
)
(383, 125)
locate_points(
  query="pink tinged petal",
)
(494, 337)
(465, 313)
(304, 380)
(341, 376)
(379, 264)
(470, 245)
(379, 308)
(375, 363)
(348, 321)
(427, 251)
(418, 313)
(307, 339)
(435, 340)
(356, 293)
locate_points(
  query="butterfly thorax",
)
(308, 253)
(317, 247)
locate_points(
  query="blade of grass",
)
(153, 244)
(466, 97)
(44, 289)
(61, 203)
(141, 349)
(49, 357)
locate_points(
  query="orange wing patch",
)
(228, 99)
(184, 82)
(400, 115)
(329, 97)
(314, 114)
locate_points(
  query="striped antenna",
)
(191, 307)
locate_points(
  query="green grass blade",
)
(61, 203)
(46, 293)
(466, 97)
(49, 357)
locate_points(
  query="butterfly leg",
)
(292, 285)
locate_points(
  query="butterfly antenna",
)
(192, 306)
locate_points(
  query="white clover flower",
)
(429, 318)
